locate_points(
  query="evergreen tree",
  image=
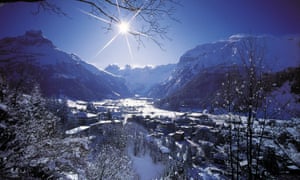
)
(31, 146)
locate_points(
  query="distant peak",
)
(113, 68)
(34, 33)
(127, 66)
(35, 37)
(238, 36)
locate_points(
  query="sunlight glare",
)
(123, 27)
(129, 47)
(107, 44)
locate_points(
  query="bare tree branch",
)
(150, 16)
(99, 9)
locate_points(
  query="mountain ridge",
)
(279, 53)
(58, 73)
(196, 81)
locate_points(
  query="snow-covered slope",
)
(205, 91)
(281, 98)
(278, 53)
(140, 80)
(32, 56)
(198, 77)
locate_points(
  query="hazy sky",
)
(202, 21)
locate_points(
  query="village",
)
(198, 142)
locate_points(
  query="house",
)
(167, 127)
(204, 133)
(86, 116)
(179, 135)
(220, 158)
(243, 164)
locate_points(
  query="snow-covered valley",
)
(162, 143)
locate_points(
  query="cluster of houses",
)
(198, 140)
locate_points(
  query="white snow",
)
(164, 149)
(145, 167)
(91, 115)
(82, 128)
(79, 105)
(77, 130)
(146, 108)
(71, 175)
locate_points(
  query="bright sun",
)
(123, 27)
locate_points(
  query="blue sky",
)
(202, 21)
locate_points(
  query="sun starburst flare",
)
(124, 28)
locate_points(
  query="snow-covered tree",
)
(59, 108)
(253, 94)
(110, 163)
(31, 146)
(244, 93)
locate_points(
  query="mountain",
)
(141, 79)
(31, 58)
(198, 77)
(205, 90)
(277, 53)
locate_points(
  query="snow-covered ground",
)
(146, 108)
(144, 166)
(77, 130)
